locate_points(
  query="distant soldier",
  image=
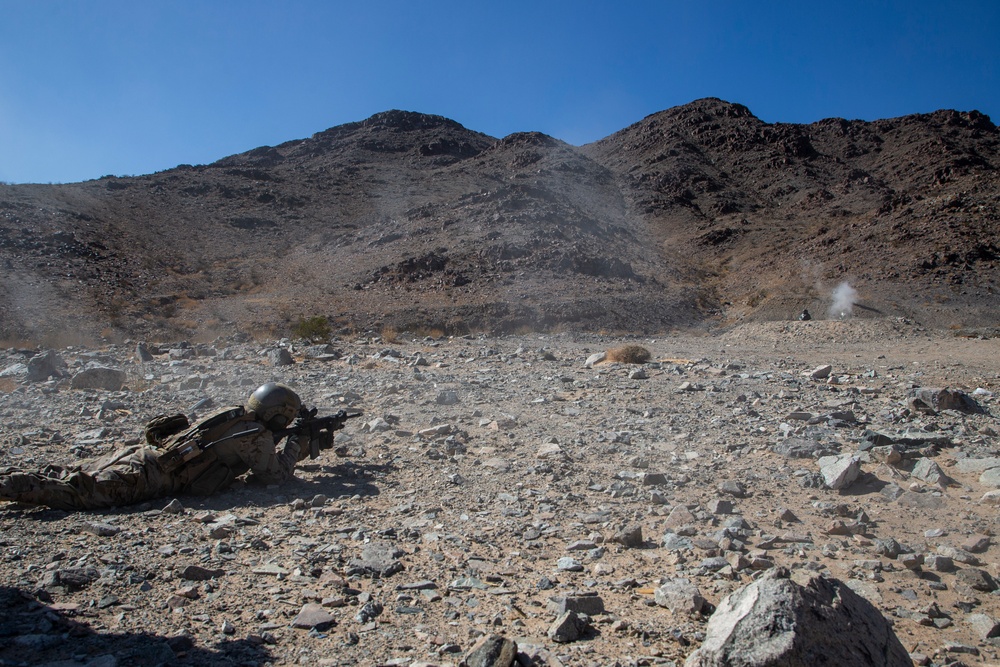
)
(199, 459)
(804, 316)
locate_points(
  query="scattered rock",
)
(378, 559)
(821, 372)
(839, 472)
(984, 626)
(680, 596)
(776, 621)
(936, 399)
(46, 365)
(591, 605)
(929, 471)
(280, 357)
(313, 616)
(199, 573)
(569, 627)
(491, 651)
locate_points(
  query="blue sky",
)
(95, 87)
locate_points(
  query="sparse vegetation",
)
(389, 335)
(629, 354)
(315, 329)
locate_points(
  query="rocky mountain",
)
(698, 216)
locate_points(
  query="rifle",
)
(318, 429)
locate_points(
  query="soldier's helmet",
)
(275, 404)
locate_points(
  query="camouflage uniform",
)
(136, 474)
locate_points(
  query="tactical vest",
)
(187, 442)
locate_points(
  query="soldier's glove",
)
(301, 422)
(322, 439)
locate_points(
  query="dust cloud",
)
(844, 298)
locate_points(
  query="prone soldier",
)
(181, 458)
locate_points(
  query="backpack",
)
(185, 442)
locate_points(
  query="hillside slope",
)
(696, 216)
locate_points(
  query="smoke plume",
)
(844, 298)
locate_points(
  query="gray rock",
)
(313, 616)
(180, 353)
(777, 622)
(99, 377)
(568, 564)
(14, 370)
(839, 472)
(591, 605)
(920, 500)
(681, 596)
(719, 506)
(892, 491)
(976, 579)
(680, 516)
(280, 357)
(491, 651)
(378, 559)
(142, 354)
(977, 465)
(100, 529)
(675, 542)
(46, 365)
(733, 488)
(889, 454)
(990, 477)
(821, 372)
(70, 578)
(888, 547)
(939, 563)
(957, 555)
(976, 544)
(174, 507)
(569, 627)
(447, 397)
(985, 627)
(930, 472)
(325, 352)
(199, 573)
(800, 448)
(936, 399)
(653, 479)
(595, 359)
(629, 537)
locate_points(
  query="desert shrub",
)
(316, 328)
(389, 335)
(629, 354)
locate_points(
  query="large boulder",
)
(776, 622)
(935, 399)
(46, 365)
(99, 377)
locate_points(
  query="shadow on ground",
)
(33, 632)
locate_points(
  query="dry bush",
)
(629, 354)
(389, 335)
(314, 329)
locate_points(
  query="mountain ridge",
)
(697, 216)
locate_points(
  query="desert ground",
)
(494, 482)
